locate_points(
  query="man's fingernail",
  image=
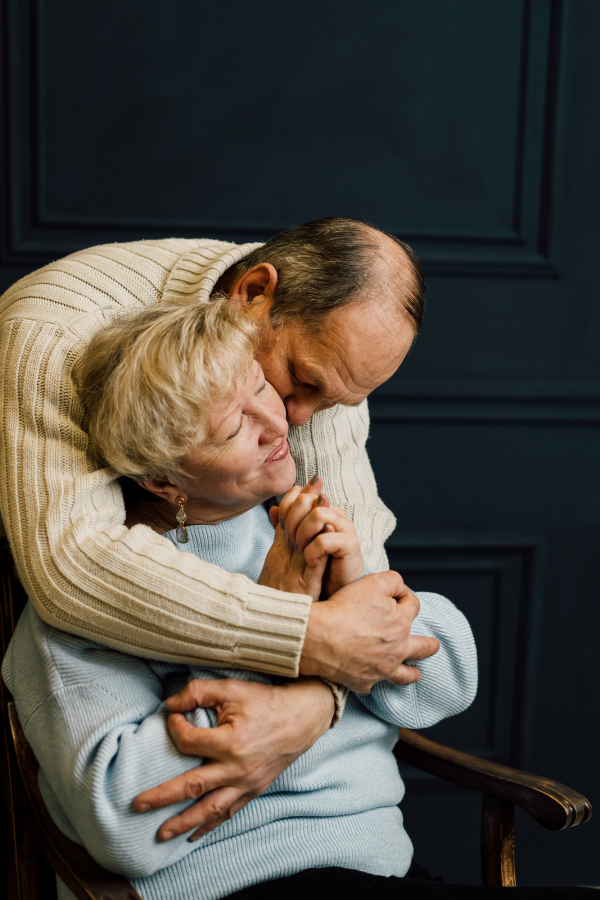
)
(282, 523)
(191, 839)
(314, 479)
(144, 807)
(167, 835)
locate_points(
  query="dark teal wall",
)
(471, 129)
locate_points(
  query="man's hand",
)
(361, 635)
(261, 730)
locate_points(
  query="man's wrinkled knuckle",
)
(363, 690)
(194, 788)
(217, 809)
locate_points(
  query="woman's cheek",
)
(275, 402)
(247, 458)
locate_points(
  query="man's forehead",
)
(358, 348)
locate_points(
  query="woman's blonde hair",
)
(149, 381)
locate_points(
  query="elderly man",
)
(339, 304)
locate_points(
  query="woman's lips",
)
(280, 452)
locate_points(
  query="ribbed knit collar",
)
(197, 271)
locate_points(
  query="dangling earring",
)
(182, 535)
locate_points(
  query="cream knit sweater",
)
(85, 572)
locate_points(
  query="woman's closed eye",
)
(237, 431)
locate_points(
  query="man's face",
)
(358, 347)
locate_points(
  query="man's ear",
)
(255, 290)
(164, 489)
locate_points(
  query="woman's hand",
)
(286, 567)
(261, 730)
(323, 533)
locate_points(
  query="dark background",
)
(471, 129)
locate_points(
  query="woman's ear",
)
(164, 489)
(255, 290)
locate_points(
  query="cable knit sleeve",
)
(333, 444)
(85, 572)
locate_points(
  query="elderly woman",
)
(177, 404)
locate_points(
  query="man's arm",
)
(333, 445)
(240, 766)
(83, 570)
(342, 625)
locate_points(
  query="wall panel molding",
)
(34, 233)
(498, 403)
(504, 605)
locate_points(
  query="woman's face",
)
(245, 459)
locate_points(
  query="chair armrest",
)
(72, 863)
(551, 804)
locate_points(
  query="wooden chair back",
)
(28, 875)
(35, 848)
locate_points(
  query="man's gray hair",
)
(329, 263)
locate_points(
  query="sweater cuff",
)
(340, 694)
(273, 632)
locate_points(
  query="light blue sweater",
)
(96, 721)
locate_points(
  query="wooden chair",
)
(37, 849)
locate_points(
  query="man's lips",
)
(280, 452)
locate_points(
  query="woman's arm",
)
(448, 681)
(97, 725)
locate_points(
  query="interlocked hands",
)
(315, 550)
